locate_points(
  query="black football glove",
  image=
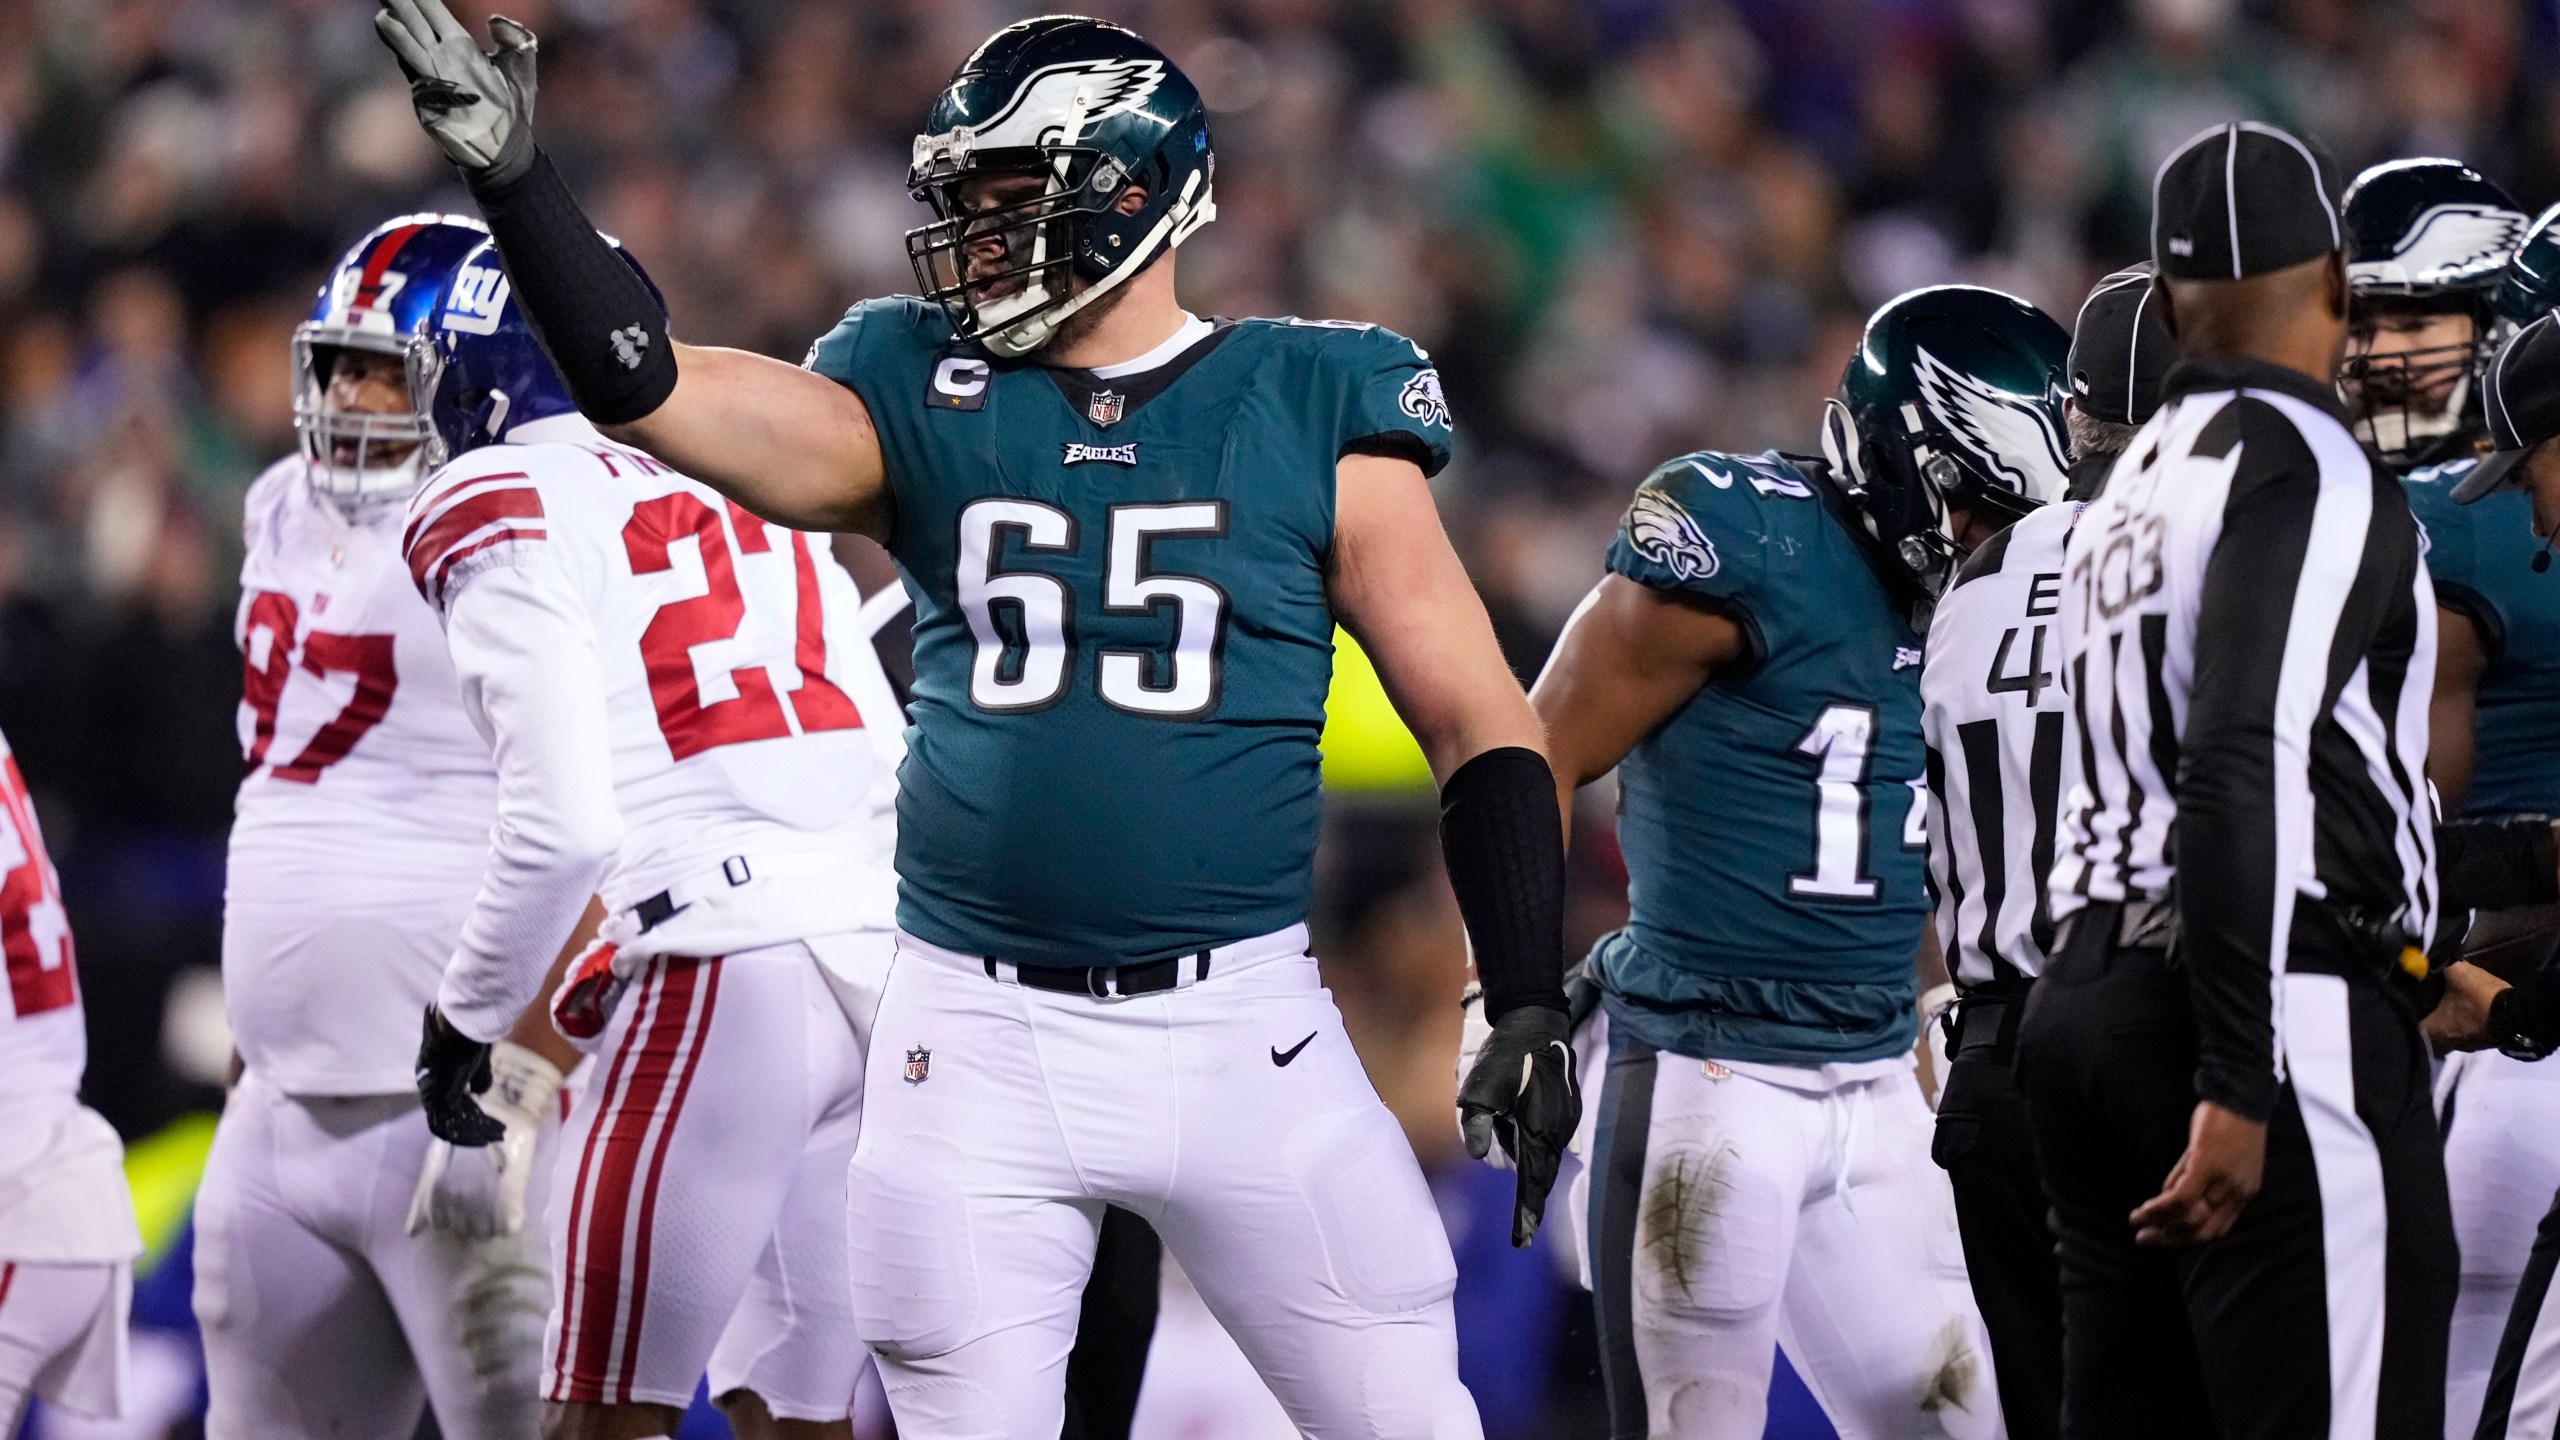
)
(453, 1068)
(1524, 1093)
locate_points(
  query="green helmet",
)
(1092, 112)
(1953, 400)
(2529, 288)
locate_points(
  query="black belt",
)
(1986, 1016)
(1103, 982)
(2326, 938)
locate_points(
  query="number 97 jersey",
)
(1773, 827)
(1123, 643)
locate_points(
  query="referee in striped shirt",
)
(2223, 1066)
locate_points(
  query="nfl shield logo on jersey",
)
(1106, 407)
(919, 1065)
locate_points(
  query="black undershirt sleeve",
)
(604, 328)
(1503, 838)
(2496, 865)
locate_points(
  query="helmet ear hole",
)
(1841, 446)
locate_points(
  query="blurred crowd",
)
(1623, 228)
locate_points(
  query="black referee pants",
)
(2296, 1315)
(2523, 1402)
(1986, 1147)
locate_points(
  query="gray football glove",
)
(1524, 1094)
(477, 108)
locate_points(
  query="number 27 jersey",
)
(625, 608)
(1123, 642)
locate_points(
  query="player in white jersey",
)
(348, 1267)
(677, 695)
(67, 1236)
(1992, 710)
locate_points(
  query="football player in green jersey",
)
(1130, 533)
(1750, 667)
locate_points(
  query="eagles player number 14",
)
(1026, 664)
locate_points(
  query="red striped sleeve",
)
(441, 539)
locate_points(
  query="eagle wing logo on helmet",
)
(2450, 237)
(2009, 437)
(1662, 531)
(1059, 103)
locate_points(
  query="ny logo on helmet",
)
(2011, 439)
(479, 298)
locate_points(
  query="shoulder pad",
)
(1705, 522)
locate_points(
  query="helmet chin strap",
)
(1018, 338)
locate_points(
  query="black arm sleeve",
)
(2530, 1009)
(604, 328)
(1504, 841)
(2496, 865)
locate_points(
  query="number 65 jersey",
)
(685, 718)
(1123, 642)
(1773, 827)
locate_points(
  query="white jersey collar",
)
(1190, 333)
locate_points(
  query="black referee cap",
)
(2521, 396)
(2120, 350)
(2240, 200)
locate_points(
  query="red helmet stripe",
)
(370, 284)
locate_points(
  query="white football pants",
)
(699, 1224)
(2502, 1166)
(322, 1315)
(62, 1337)
(1230, 1113)
(1731, 1215)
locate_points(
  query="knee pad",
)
(1711, 1236)
(915, 1274)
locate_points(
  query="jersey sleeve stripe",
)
(442, 543)
(427, 507)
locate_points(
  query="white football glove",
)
(477, 1192)
(478, 108)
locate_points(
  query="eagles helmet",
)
(491, 373)
(2425, 239)
(2530, 287)
(1953, 400)
(1091, 112)
(379, 298)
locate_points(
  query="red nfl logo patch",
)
(919, 1065)
(1106, 407)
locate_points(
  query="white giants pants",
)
(1229, 1112)
(2502, 1165)
(322, 1315)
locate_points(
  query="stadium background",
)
(1624, 228)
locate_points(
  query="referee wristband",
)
(1503, 838)
(603, 326)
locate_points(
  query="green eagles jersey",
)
(1122, 639)
(2481, 559)
(1773, 827)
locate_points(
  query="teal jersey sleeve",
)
(1391, 400)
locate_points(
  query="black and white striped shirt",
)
(1992, 706)
(2248, 636)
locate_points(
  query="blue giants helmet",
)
(378, 300)
(492, 374)
(1091, 113)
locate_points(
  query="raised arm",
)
(789, 445)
